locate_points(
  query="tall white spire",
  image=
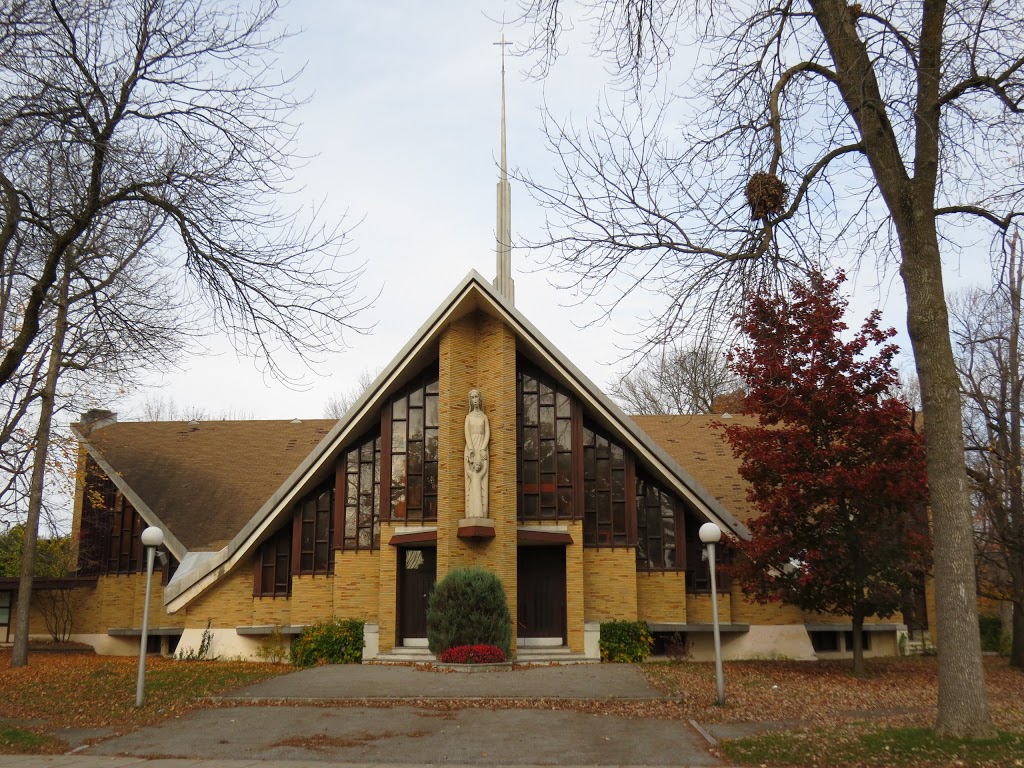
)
(503, 248)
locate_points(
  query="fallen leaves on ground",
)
(78, 691)
(87, 691)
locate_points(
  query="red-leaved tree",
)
(835, 467)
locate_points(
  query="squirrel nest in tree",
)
(766, 195)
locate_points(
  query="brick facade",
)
(475, 350)
(478, 352)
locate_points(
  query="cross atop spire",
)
(503, 248)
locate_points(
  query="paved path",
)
(370, 681)
(309, 730)
(79, 761)
(406, 734)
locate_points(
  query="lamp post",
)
(710, 534)
(152, 538)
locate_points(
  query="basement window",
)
(825, 642)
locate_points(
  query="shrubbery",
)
(468, 607)
(338, 641)
(625, 641)
(991, 628)
(472, 654)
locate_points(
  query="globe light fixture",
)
(152, 538)
(711, 534)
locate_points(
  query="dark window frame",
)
(825, 641)
(358, 482)
(660, 528)
(609, 519)
(549, 485)
(410, 435)
(272, 575)
(313, 537)
(848, 640)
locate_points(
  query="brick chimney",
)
(96, 418)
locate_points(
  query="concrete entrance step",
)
(405, 655)
(527, 656)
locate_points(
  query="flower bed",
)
(472, 654)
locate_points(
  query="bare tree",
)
(109, 317)
(676, 380)
(817, 127)
(987, 332)
(337, 405)
(111, 110)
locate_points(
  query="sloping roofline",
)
(473, 293)
(171, 542)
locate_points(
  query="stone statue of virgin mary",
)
(478, 436)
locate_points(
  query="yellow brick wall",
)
(88, 614)
(835, 618)
(117, 602)
(82, 609)
(575, 588)
(661, 596)
(698, 609)
(312, 598)
(746, 611)
(610, 584)
(270, 612)
(478, 352)
(229, 602)
(387, 596)
(357, 584)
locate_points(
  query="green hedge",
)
(625, 641)
(468, 607)
(338, 641)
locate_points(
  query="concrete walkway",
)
(372, 681)
(318, 717)
(79, 761)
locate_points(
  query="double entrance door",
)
(540, 594)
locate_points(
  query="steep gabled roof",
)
(696, 443)
(473, 294)
(201, 481)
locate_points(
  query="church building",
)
(480, 444)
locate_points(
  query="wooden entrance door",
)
(417, 572)
(541, 592)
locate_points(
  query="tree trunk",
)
(963, 703)
(858, 642)
(1016, 628)
(19, 654)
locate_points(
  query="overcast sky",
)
(403, 127)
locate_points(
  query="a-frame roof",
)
(199, 571)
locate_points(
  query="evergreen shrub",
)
(468, 607)
(338, 641)
(625, 641)
(991, 628)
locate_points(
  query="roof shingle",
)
(205, 481)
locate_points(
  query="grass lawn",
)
(86, 691)
(832, 718)
(861, 745)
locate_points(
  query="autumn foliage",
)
(835, 466)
